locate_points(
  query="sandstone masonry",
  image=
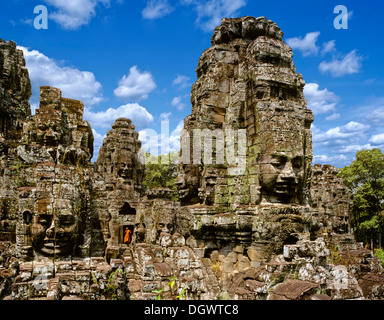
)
(257, 223)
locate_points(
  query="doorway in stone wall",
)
(127, 234)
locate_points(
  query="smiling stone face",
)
(187, 183)
(54, 235)
(281, 176)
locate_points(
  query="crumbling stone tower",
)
(15, 91)
(333, 200)
(121, 185)
(249, 114)
(46, 182)
(248, 222)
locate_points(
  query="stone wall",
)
(246, 149)
(254, 220)
(15, 91)
(333, 199)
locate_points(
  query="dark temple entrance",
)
(127, 234)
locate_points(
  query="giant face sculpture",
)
(281, 176)
(54, 235)
(125, 170)
(283, 159)
(165, 224)
(187, 183)
(124, 164)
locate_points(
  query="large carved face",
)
(187, 183)
(54, 235)
(281, 176)
(47, 134)
(125, 170)
(340, 224)
(164, 224)
(207, 190)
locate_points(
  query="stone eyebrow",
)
(279, 156)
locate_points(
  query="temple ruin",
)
(255, 219)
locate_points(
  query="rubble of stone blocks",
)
(305, 272)
(260, 223)
(332, 199)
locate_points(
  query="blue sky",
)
(137, 59)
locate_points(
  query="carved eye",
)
(297, 162)
(67, 221)
(44, 219)
(278, 162)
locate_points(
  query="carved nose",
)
(180, 181)
(288, 173)
(51, 231)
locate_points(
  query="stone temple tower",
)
(246, 148)
(121, 182)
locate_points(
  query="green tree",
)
(161, 171)
(365, 177)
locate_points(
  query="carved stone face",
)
(47, 135)
(275, 32)
(164, 227)
(261, 27)
(125, 170)
(140, 232)
(340, 224)
(207, 190)
(187, 183)
(281, 176)
(54, 235)
(164, 224)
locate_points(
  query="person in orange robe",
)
(127, 236)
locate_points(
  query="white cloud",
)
(181, 81)
(351, 133)
(306, 45)
(329, 46)
(136, 85)
(74, 83)
(165, 116)
(210, 12)
(377, 115)
(72, 14)
(377, 139)
(320, 101)
(354, 126)
(97, 143)
(333, 116)
(325, 159)
(355, 147)
(162, 143)
(341, 66)
(103, 119)
(98, 139)
(337, 145)
(177, 102)
(156, 9)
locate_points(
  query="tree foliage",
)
(161, 171)
(365, 177)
